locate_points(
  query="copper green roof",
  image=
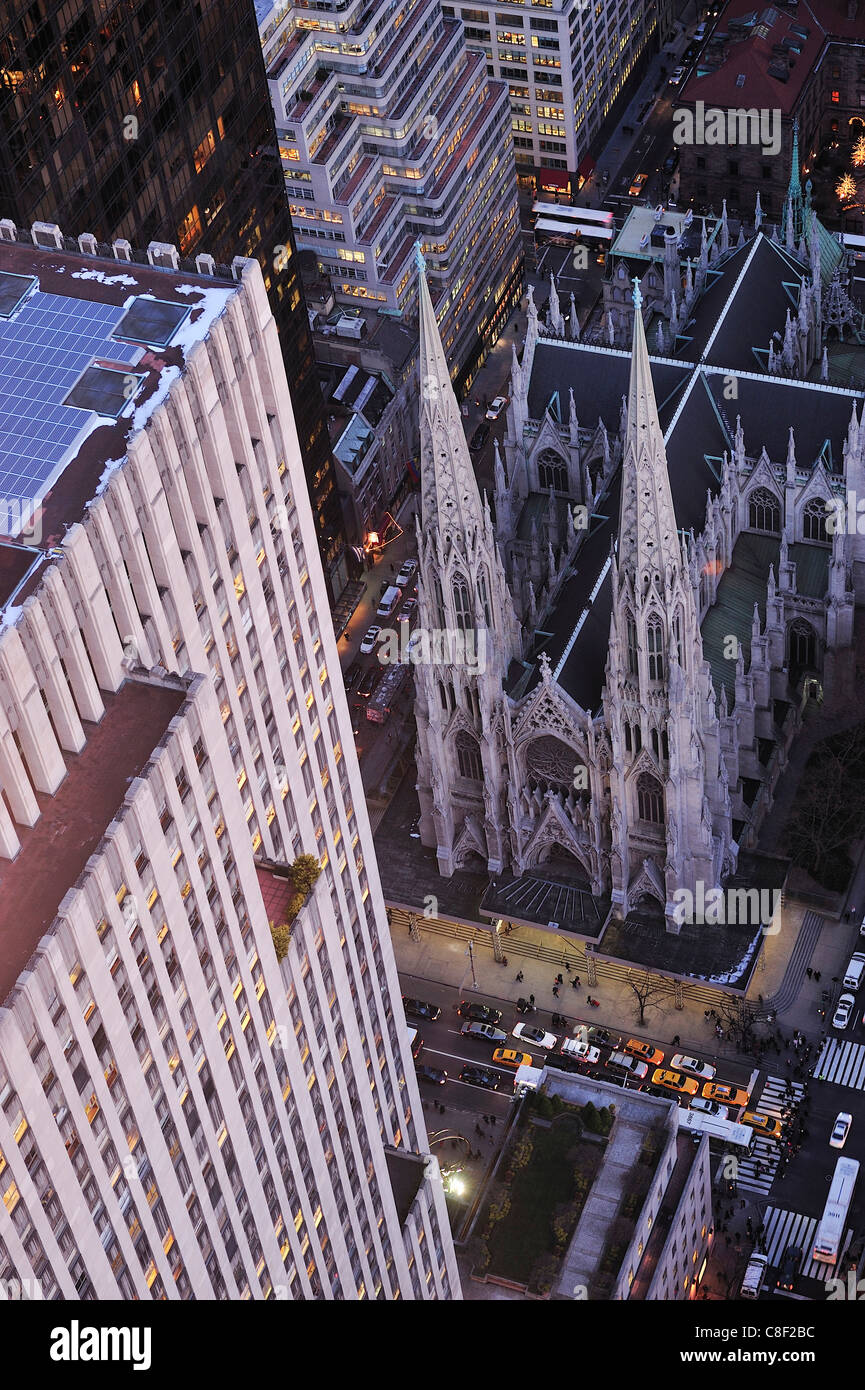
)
(745, 584)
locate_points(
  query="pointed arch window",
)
(552, 472)
(438, 617)
(628, 742)
(469, 756)
(655, 644)
(443, 696)
(764, 512)
(462, 612)
(803, 647)
(632, 646)
(677, 634)
(814, 521)
(650, 799)
(484, 597)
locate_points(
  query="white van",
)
(755, 1276)
(389, 602)
(853, 976)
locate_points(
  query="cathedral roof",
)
(762, 283)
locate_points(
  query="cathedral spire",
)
(648, 542)
(450, 500)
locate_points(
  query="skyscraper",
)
(206, 1086)
(151, 121)
(389, 129)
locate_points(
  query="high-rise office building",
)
(150, 120)
(206, 1084)
(390, 130)
(566, 63)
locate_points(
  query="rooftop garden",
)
(548, 1170)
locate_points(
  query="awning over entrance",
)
(587, 166)
(554, 178)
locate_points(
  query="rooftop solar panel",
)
(43, 352)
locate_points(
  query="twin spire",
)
(450, 500)
(648, 538)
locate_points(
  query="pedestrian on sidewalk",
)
(555, 991)
(560, 979)
(817, 976)
(809, 972)
(575, 982)
(519, 976)
(531, 999)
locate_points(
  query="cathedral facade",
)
(659, 585)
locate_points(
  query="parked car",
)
(693, 1065)
(496, 406)
(507, 1057)
(480, 1076)
(735, 1096)
(485, 1032)
(418, 1008)
(407, 572)
(369, 639)
(352, 676)
(638, 185)
(708, 1107)
(434, 1075)
(675, 1081)
(479, 438)
(367, 683)
(650, 1054)
(840, 1130)
(676, 76)
(841, 1016)
(478, 1013)
(671, 161)
(537, 1037)
(788, 1268)
(769, 1125)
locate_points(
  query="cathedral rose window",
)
(550, 762)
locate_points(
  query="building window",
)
(836, 98)
(655, 642)
(802, 643)
(632, 646)
(814, 521)
(462, 611)
(190, 230)
(552, 472)
(650, 799)
(764, 512)
(469, 756)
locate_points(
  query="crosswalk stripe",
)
(842, 1063)
(772, 1101)
(782, 1228)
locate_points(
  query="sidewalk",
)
(444, 959)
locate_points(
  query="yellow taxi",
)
(675, 1081)
(728, 1095)
(645, 1051)
(507, 1057)
(769, 1125)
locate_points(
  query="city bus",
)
(830, 1232)
(854, 246)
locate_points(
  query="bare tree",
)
(648, 989)
(829, 808)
